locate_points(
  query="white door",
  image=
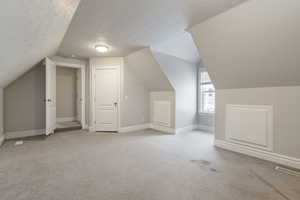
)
(50, 96)
(79, 99)
(106, 98)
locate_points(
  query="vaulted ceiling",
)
(129, 25)
(31, 30)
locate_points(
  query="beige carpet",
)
(145, 165)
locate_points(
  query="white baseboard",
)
(209, 129)
(65, 119)
(91, 128)
(265, 155)
(186, 129)
(85, 126)
(21, 134)
(163, 129)
(134, 128)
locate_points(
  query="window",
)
(207, 93)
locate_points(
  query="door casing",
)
(92, 92)
(81, 69)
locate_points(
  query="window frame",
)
(200, 103)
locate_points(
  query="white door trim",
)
(50, 96)
(92, 92)
(82, 68)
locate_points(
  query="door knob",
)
(116, 103)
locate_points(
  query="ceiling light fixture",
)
(101, 48)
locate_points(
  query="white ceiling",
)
(129, 25)
(31, 30)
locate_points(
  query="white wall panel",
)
(162, 113)
(250, 125)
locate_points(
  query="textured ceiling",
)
(31, 30)
(129, 25)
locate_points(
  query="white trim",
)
(85, 126)
(120, 69)
(65, 119)
(186, 128)
(133, 128)
(91, 129)
(2, 137)
(210, 129)
(162, 128)
(68, 62)
(258, 153)
(78, 64)
(21, 134)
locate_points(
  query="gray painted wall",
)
(66, 92)
(286, 113)
(24, 107)
(255, 44)
(135, 100)
(146, 68)
(183, 77)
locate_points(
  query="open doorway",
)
(68, 98)
(65, 94)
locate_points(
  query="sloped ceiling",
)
(255, 44)
(143, 64)
(31, 30)
(130, 25)
(180, 45)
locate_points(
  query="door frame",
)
(49, 127)
(82, 68)
(92, 92)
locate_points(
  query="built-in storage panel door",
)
(106, 99)
(50, 96)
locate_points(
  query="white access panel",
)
(250, 125)
(162, 113)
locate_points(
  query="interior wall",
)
(66, 90)
(255, 44)
(164, 96)
(134, 99)
(24, 106)
(251, 52)
(147, 69)
(285, 101)
(183, 77)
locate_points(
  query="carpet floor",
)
(144, 165)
